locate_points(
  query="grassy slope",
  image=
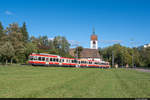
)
(46, 82)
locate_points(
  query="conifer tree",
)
(24, 33)
(1, 30)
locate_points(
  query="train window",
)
(54, 59)
(51, 59)
(39, 58)
(35, 57)
(31, 57)
(74, 61)
(43, 58)
(57, 60)
(62, 60)
(79, 62)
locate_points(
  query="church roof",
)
(86, 53)
(94, 36)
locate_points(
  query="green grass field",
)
(19, 81)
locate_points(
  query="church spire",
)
(94, 40)
(93, 30)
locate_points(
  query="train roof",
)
(67, 58)
(44, 54)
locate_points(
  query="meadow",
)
(20, 81)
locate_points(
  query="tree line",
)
(16, 45)
(122, 55)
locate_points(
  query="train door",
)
(77, 63)
(47, 60)
(60, 61)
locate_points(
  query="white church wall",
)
(92, 45)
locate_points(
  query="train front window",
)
(31, 58)
(35, 58)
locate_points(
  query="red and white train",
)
(55, 60)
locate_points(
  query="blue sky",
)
(115, 21)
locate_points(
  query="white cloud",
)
(50, 38)
(110, 41)
(8, 12)
(74, 43)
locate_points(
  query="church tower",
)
(94, 40)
